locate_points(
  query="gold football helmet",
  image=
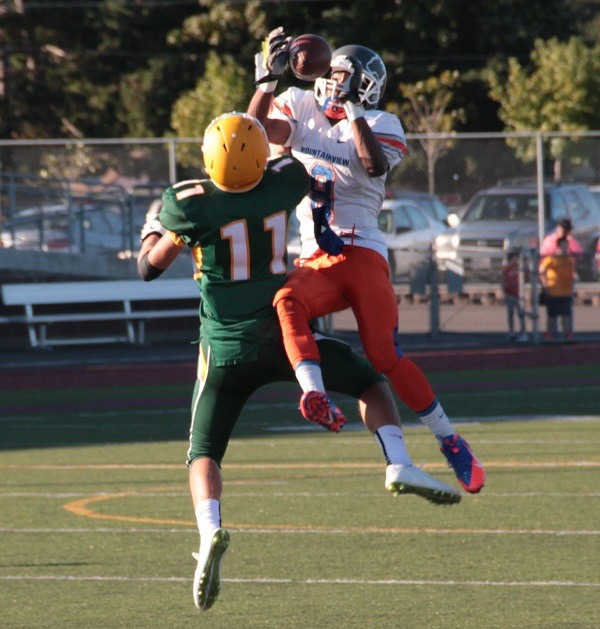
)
(235, 151)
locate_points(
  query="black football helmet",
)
(372, 85)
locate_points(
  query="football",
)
(310, 57)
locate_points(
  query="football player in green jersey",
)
(236, 226)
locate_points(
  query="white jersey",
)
(339, 181)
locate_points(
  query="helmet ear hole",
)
(235, 152)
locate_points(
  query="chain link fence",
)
(90, 197)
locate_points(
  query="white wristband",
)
(268, 87)
(153, 226)
(353, 111)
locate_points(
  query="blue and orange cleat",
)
(468, 469)
(318, 408)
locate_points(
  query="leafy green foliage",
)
(223, 87)
(427, 109)
(559, 91)
(115, 68)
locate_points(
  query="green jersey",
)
(238, 242)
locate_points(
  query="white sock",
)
(391, 442)
(208, 517)
(309, 376)
(437, 421)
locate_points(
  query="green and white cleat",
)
(207, 579)
(400, 479)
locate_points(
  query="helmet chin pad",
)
(331, 107)
(334, 109)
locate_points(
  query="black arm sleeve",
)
(148, 271)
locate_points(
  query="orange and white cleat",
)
(316, 407)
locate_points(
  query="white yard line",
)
(266, 580)
(283, 529)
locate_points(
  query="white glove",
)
(152, 224)
(350, 96)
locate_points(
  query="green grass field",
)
(97, 526)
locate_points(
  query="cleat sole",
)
(435, 496)
(209, 585)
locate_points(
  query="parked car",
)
(60, 228)
(409, 233)
(429, 202)
(505, 218)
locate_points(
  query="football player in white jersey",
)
(347, 146)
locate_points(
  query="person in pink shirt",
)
(563, 230)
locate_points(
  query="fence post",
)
(434, 297)
(540, 187)
(172, 161)
(535, 311)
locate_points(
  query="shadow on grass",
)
(111, 415)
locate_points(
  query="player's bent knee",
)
(289, 295)
(384, 363)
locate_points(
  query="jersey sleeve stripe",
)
(284, 108)
(176, 239)
(185, 183)
(190, 192)
(393, 143)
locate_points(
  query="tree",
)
(560, 91)
(64, 67)
(113, 68)
(427, 111)
(223, 87)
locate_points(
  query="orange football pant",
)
(357, 278)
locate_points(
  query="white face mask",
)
(326, 91)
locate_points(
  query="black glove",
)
(271, 62)
(326, 238)
(351, 85)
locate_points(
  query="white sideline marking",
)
(510, 464)
(367, 530)
(297, 494)
(261, 406)
(311, 581)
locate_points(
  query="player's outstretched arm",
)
(270, 64)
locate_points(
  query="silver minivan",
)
(505, 218)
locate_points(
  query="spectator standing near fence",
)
(557, 278)
(512, 297)
(550, 244)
